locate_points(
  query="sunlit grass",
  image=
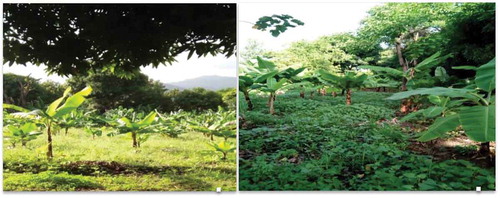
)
(185, 163)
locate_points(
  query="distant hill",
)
(207, 82)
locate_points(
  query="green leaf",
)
(465, 67)
(387, 70)
(328, 76)
(275, 85)
(431, 61)
(150, 118)
(435, 99)
(441, 74)
(265, 76)
(412, 115)
(437, 91)
(479, 122)
(28, 127)
(51, 110)
(265, 64)
(271, 82)
(433, 111)
(85, 91)
(440, 126)
(71, 104)
(14, 107)
(485, 76)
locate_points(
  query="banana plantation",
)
(93, 114)
(65, 147)
(404, 103)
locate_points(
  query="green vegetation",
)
(419, 105)
(110, 164)
(323, 144)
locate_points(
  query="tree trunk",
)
(271, 104)
(49, 140)
(212, 137)
(348, 97)
(224, 155)
(247, 98)
(399, 52)
(66, 131)
(484, 149)
(134, 140)
(23, 143)
(323, 92)
(343, 92)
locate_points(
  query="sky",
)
(181, 70)
(320, 19)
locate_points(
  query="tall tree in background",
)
(401, 24)
(111, 91)
(73, 39)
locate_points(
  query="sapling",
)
(53, 112)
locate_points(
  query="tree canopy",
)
(72, 39)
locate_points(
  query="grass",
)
(106, 163)
(320, 143)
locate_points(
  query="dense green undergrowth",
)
(105, 163)
(320, 143)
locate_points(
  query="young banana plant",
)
(348, 81)
(94, 131)
(220, 123)
(74, 119)
(53, 112)
(23, 134)
(245, 84)
(223, 147)
(478, 121)
(135, 127)
(171, 125)
(272, 86)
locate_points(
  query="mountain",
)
(208, 82)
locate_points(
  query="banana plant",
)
(171, 125)
(74, 119)
(211, 123)
(310, 84)
(478, 121)
(245, 84)
(223, 147)
(135, 127)
(348, 81)
(257, 77)
(53, 112)
(272, 86)
(413, 77)
(23, 134)
(94, 131)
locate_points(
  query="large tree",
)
(73, 39)
(399, 25)
(110, 91)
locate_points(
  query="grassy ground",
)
(321, 144)
(106, 163)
